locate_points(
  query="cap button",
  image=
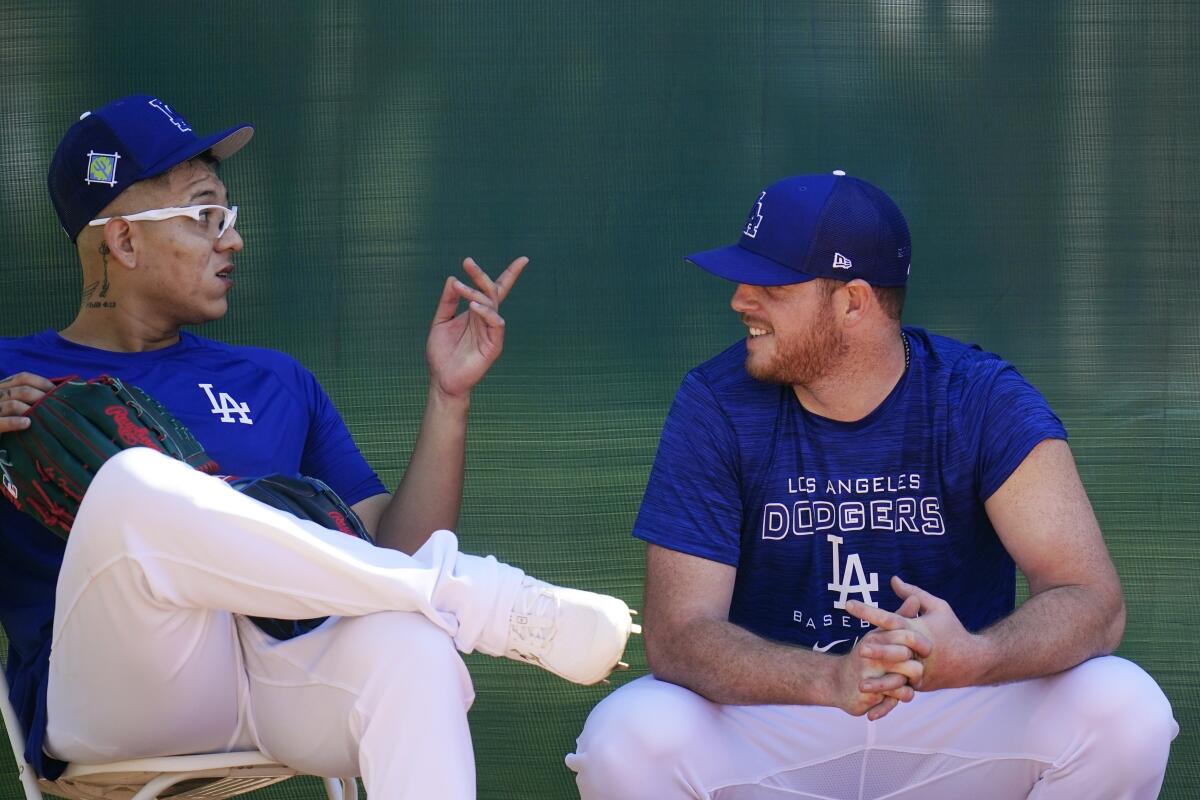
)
(841, 173)
(85, 115)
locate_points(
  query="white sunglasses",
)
(217, 219)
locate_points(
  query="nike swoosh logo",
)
(819, 649)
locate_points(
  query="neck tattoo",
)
(907, 350)
(104, 251)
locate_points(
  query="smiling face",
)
(182, 272)
(793, 334)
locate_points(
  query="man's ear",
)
(118, 242)
(859, 298)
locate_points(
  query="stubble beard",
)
(805, 359)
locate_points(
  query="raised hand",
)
(463, 346)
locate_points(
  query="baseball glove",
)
(306, 498)
(77, 426)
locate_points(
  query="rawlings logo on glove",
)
(129, 431)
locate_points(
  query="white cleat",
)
(577, 635)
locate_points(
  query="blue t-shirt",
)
(813, 512)
(255, 411)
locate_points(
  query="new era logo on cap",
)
(803, 227)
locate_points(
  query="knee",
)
(1121, 706)
(117, 492)
(124, 486)
(636, 723)
(133, 468)
(646, 727)
(405, 652)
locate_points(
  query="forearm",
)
(1075, 610)
(1052, 631)
(430, 494)
(730, 665)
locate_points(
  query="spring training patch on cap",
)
(102, 168)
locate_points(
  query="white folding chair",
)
(210, 775)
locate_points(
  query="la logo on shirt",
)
(224, 404)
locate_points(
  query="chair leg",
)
(341, 788)
(157, 784)
(29, 780)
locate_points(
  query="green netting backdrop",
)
(1045, 154)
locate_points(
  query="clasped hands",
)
(920, 646)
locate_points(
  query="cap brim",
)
(736, 263)
(222, 145)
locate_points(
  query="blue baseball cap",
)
(817, 226)
(112, 148)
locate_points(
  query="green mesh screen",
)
(1044, 153)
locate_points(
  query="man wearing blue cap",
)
(833, 519)
(132, 638)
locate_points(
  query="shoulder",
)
(257, 375)
(951, 355)
(960, 368)
(987, 398)
(43, 353)
(724, 378)
(199, 346)
(720, 406)
(726, 369)
(200, 349)
(34, 343)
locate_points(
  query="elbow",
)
(1115, 618)
(1105, 604)
(660, 656)
(671, 661)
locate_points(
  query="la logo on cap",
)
(755, 219)
(176, 120)
(102, 168)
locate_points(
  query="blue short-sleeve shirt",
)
(255, 411)
(814, 512)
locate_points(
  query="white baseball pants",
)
(1100, 731)
(151, 657)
